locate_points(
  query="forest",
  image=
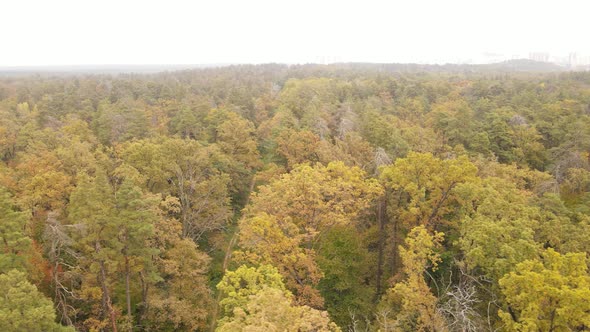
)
(345, 197)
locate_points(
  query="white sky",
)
(62, 32)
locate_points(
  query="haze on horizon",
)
(65, 32)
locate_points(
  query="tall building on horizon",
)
(539, 56)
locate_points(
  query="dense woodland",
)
(295, 198)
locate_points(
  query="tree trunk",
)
(128, 293)
(106, 299)
(382, 219)
(394, 239)
(144, 297)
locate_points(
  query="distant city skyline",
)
(569, 59)
(68, 32)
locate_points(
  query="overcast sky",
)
(79, 32)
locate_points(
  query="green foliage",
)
(271, 310)
(345, 261)
(239, 285)
(427, 184)
(23, 307)
(115, 227)
(548, 294)
(453, 120)
(118, 123)
(382, 131)
(500, 230)
(256, 299)
(186, 125)
(15, 243)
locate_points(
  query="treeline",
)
(301, 198)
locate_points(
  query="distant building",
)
(578, 62)
(573, 60)
(539, 56)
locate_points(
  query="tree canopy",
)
(344, 197)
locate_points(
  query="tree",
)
(136, 217)
(548, 294)
(382, 132)
(119, 122)
(528, 148)
(8, 135)
(23, 307)
(264, 239)
(453, 119)
(176, 297)
(460, 307)
(15, 244)
(306, 96)
(43, 186)
(270, 130)
(351, 149)
(193, 175)
(298, 147)
(560, 227)
(62, 259)
(318, 197)
(186, 125)
(421, 190)
(238, 286)
(236, 139)
(201, 188)
(287, 219)
(501, 142)
(271, 310)
(425, 185)
(256, 299)
(91, 207)
(148, 158)
(347, 266)
(499, 228)
(114, 228)
(419, 310)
